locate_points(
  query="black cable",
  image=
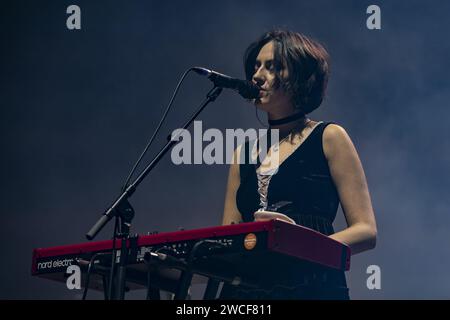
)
(125, 185)
(257, 117)
(86, 283)
(130, 175)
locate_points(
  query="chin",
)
(264, 105)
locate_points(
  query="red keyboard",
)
(248, 251)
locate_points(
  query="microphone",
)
(246, 89)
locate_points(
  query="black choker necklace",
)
(286, 120)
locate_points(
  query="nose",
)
(259, 77)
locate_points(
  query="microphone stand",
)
(123, 211)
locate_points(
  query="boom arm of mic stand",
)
(112, 211)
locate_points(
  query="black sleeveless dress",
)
(304, 185)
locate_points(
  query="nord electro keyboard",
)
(247, 254)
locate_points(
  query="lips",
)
(263, 93)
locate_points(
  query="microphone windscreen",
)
(249, 90)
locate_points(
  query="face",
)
(271, 99)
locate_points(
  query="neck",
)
(287, 128)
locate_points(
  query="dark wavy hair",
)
(307, 63)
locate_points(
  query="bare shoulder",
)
(334, 132)
(336, 139)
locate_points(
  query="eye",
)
(271, 66)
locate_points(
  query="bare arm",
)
(231, 213)
(348, 175)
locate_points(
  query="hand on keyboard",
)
(269, 215)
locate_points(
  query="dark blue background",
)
(77, 107)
